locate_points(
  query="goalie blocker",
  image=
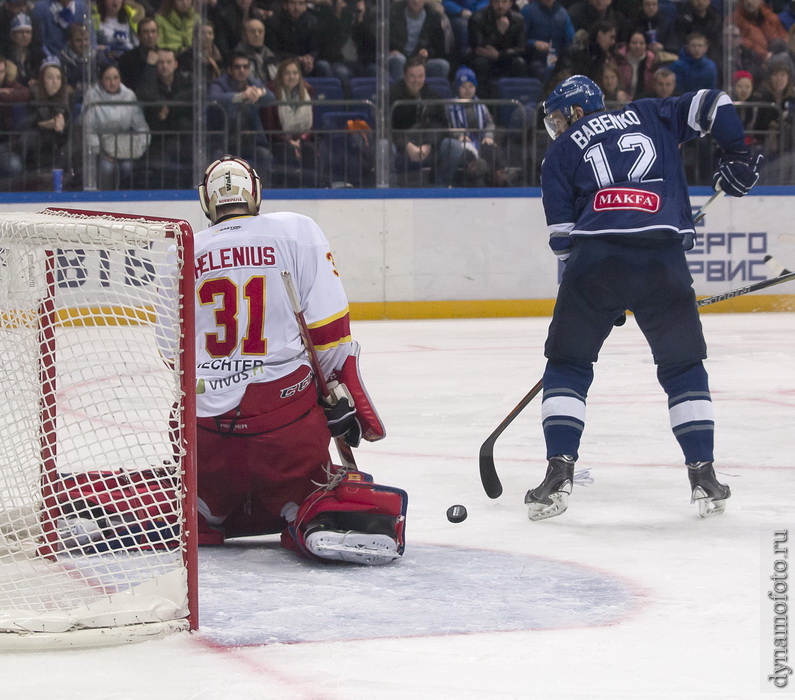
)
(351, 413)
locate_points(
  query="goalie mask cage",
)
(97, 416)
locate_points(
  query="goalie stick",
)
(343, 448)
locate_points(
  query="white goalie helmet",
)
(229, 180)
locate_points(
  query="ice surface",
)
(629, 594)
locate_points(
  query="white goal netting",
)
(96, 414)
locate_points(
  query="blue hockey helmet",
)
(576, 91)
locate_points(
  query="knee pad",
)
(351, 502)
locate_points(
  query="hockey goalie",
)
(264, 465)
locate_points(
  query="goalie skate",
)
(707, 491)
(353, 547)
(551, 497)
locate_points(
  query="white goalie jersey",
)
(245, 328)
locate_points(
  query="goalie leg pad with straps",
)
(352, 519)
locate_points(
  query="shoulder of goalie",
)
(350, 411)
(350, 506)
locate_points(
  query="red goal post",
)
(97, 428)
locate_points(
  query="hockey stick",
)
(703, 211)
(741, 291)
(488, 471)
(343, 448)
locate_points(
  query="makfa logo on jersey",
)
(612, 198)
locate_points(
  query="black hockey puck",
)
(456, 514)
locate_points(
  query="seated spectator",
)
(290, 126)
(741, 57)
(612, 87)
(699, 16)
(420, 131)
(49, 116)
(549, 32)
(10, 9)
(497, 42)
(176, 22)
(117, 134)
(243, 96)
(138, 64)
(590, 57)
(263, 60)
(789, 51)
(211, 56)
(228, 18)
(584, 13)
(74, 59)
(12, 94)
(459, 12)
(415, 29)
(27, 57)
(294, 32)
(761, 29)
(636, 65)
(664, 83)
(776, 89)
(54, 18)
(742, 92)
(170, 155)
(484, 163)
(115, 24)
(363, 39)
(658, 29)
(694, 71)
(335, 19)
(742, 86)
(787, 15)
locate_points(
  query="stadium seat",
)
(348, 152)
(441, 86)
(527, 91)
(363, 88)
(326, 89)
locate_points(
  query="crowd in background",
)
(262, 60)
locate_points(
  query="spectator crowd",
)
(264, 63)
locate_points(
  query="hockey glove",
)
(341, 414)
(737, 172)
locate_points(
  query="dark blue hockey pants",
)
(603, 278)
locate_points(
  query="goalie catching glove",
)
(737, 172)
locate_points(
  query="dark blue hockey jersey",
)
(620, 172)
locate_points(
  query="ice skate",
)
(551, 497)
(353, 547)
(708, 492)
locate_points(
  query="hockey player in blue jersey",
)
(617, 210)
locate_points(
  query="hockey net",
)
(97, 406)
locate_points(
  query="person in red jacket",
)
(760, 27)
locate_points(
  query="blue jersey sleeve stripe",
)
(703, 107)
